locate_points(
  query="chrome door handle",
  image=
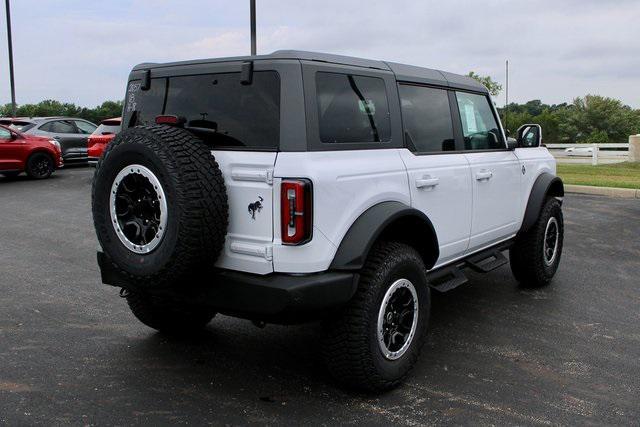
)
(427, 182)
(484, 174)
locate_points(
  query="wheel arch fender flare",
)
(545, 185)
(393, 220)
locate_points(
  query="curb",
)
(626, 193)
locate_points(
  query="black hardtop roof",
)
(403, 72)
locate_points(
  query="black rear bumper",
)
(275, 297)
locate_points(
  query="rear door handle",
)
(484, 174)
(427, 181)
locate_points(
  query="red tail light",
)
(169, 120)
(296, 211)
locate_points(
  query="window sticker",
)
(470, 116)
(367, 107)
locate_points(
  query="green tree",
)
(50, 107)
(493, 87)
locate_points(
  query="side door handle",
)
(484, 174)
(427, 181)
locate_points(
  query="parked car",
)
(19, 152)
(22, 124)
(300, 186)
(101, 137)
(72, 134)
(579, 151)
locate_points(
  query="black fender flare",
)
(399, 221)
(545, 185)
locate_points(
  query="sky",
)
(81, 51)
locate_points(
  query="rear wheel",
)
(376, 339)
(536, 254)
(40, 166)
(168, 316)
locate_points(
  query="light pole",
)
(253, 25)
(11, 79)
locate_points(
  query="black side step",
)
(486, 261)
(447, 278)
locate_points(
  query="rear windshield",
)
(217, 107)
(105, 129)
(19, 125)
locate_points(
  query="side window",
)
(426, 118)
(59, 126)
(84, 127)
(352, 108)
(479, 126)
(4, 134)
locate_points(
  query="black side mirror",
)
(529, 135)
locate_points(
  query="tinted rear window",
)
(352, 108)
(217, 107)
(227, 112)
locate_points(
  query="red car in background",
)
(35, 155)
(101, 137)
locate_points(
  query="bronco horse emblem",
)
(255, 207)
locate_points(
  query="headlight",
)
(55, 144)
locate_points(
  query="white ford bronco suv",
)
(302, 186)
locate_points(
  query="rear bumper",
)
(93, 161)
(273, 297)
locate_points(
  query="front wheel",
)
(40, 166)
(168, 316)
(376, 339)
(535, 256)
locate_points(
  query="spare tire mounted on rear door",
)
(159, 205)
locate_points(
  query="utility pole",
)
(253, 26)
(506, 96)
(11, 79)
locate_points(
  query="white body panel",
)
(536, 161)
(345, 184)
(248, 176)
(497, 197)
(440, 186)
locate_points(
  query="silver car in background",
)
(71, 133)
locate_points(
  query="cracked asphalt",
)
(71, 352)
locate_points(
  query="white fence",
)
(594, 152)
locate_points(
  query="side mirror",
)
(529, 135)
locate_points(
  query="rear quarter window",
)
(352, 108)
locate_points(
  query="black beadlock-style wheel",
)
(159, 206)
(376, 339)
(168, 316)
(535, 256)
(40, 166)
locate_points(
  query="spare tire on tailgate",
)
(159, 205)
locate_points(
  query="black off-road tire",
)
(169, 316)
(40, 166)
(197, 208)
(351, 350)
(527, 254)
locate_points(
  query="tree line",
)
(589, 119)
(50, 107)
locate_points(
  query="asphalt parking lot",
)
(71, 352)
